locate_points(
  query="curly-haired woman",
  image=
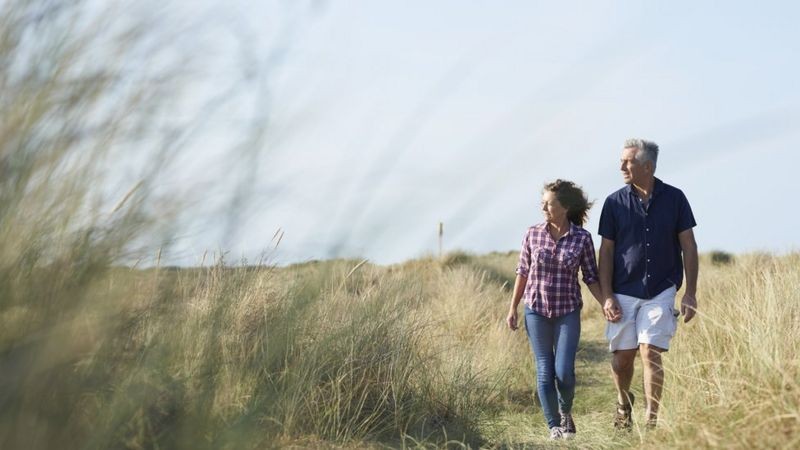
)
(547, 281)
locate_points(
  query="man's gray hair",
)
(648, 150)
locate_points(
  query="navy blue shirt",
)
(647, 253)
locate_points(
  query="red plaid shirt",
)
(551, 267)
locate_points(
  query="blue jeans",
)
(554, 343)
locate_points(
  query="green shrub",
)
(721, 258)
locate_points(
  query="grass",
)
(345, 353)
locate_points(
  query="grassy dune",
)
(96, 354)
(344, 353)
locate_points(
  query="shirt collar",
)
(572, 228)
(658, 186)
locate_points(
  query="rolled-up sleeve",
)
(685, 215)
(589, 262)
(607, 228)
(524, 264)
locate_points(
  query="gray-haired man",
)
(647, 240)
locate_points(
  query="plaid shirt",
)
(551, 267)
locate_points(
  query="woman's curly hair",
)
(571, 197)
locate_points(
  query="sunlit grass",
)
(349, 353)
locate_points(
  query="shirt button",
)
(648, 244)
(647, 229)
(648, 260)
(648, 276)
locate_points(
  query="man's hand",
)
(688, 307)
(511, 320)
(611, 310)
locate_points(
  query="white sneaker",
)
(556, 433)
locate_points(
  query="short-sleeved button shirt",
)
(647, 252)
(551, 268)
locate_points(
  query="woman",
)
(547, 279)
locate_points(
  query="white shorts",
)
(643, 321)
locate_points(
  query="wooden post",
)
(441, 233)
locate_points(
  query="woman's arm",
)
(519, 284)
(591, 276)
(519, 289)
(597, 292)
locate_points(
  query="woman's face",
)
(552, 210)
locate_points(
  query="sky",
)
(384, 118)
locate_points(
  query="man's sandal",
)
(623, 418)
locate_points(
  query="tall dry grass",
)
(64, 115)
(347, 353)
(249, 357)
(81, 152)
(734, 375)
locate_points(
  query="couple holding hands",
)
(647, 243)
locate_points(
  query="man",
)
(647, 239)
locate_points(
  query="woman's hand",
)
(511, 320)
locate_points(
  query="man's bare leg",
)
(653, 373)
(622, 368)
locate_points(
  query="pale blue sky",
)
(388, 117)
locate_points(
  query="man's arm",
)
(691, 267)
(611, 309)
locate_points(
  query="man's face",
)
(633, 170)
